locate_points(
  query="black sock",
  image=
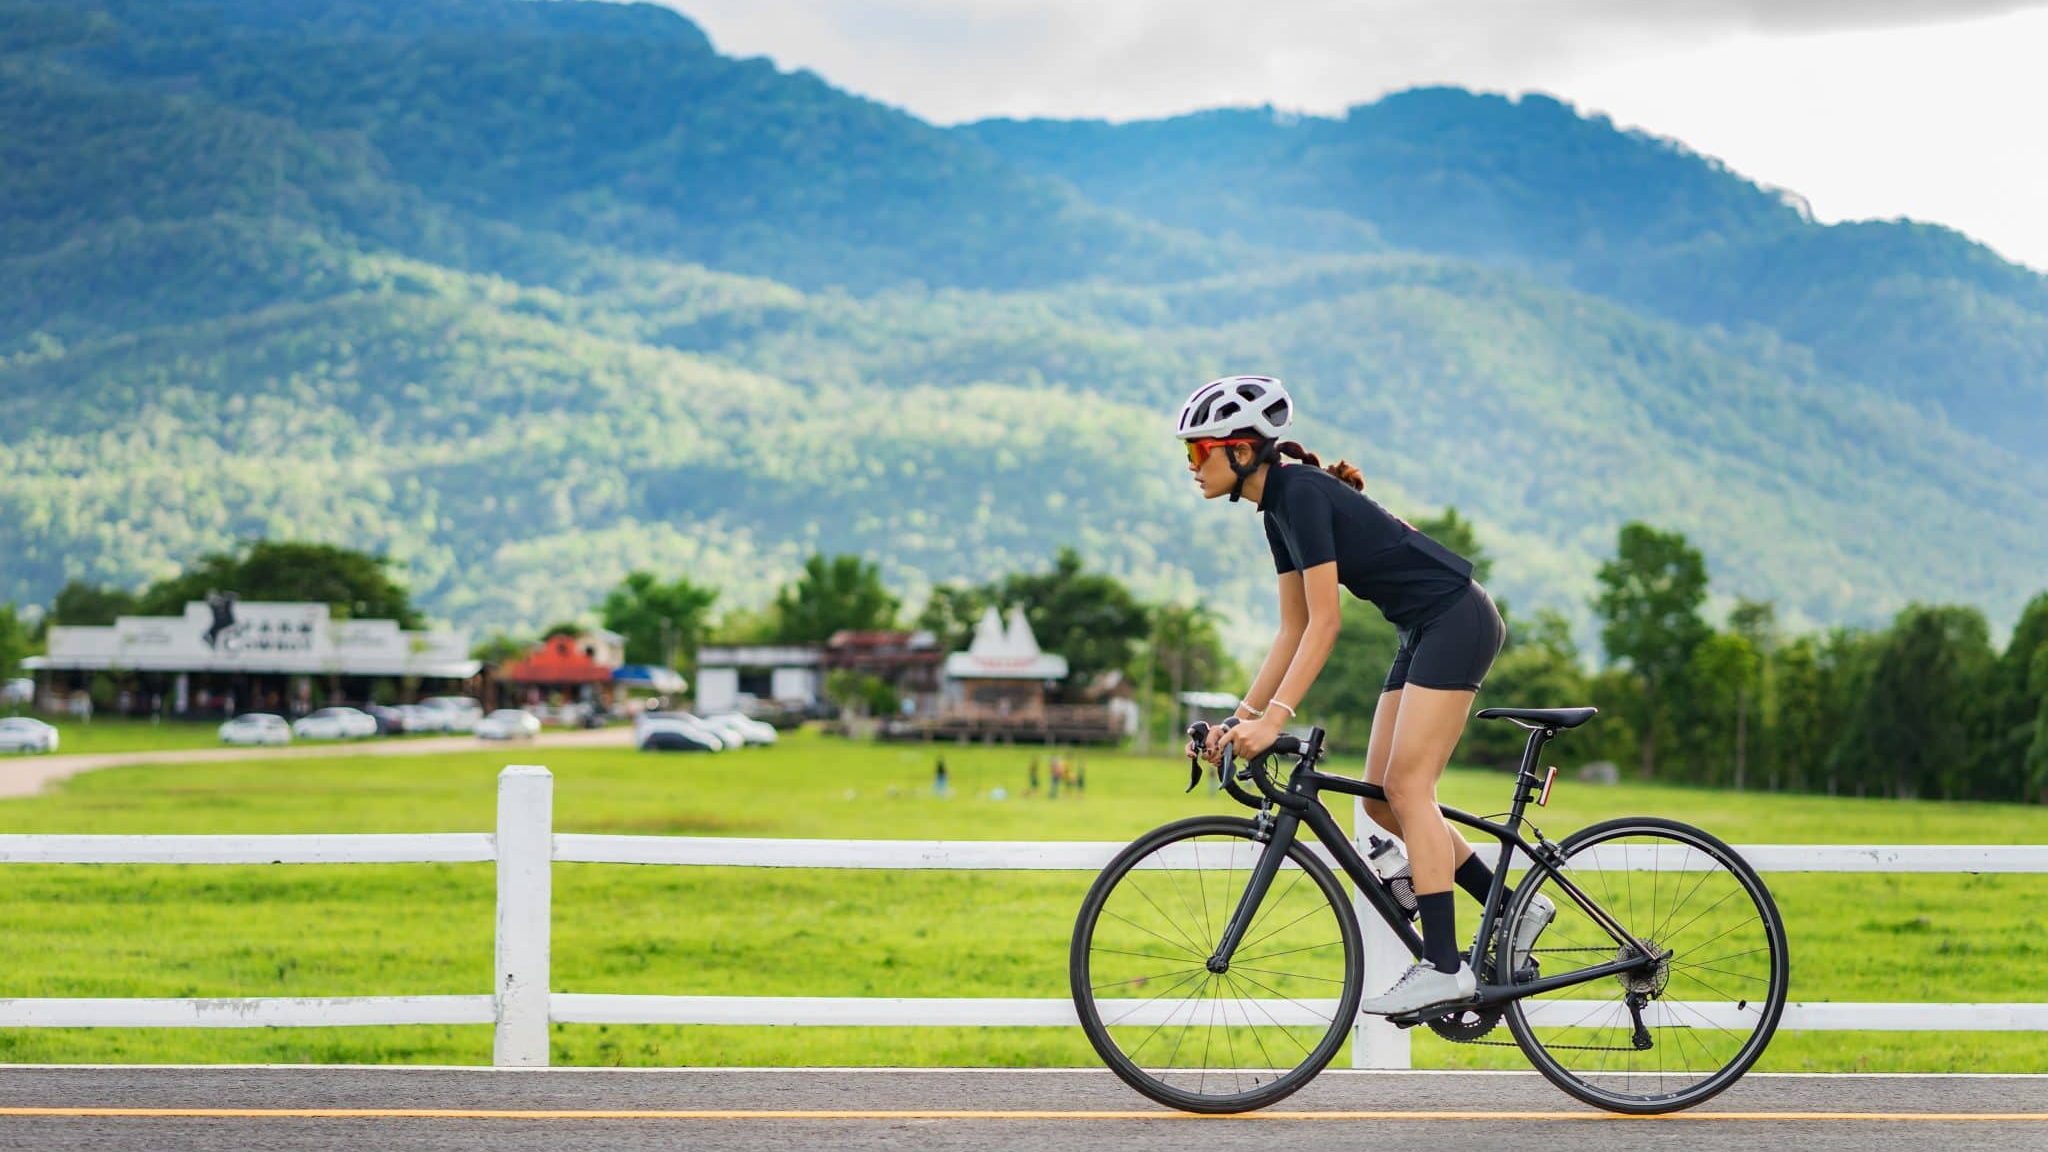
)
(1476, 878)
(1439, 930)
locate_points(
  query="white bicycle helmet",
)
(1237, 406)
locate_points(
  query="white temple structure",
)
(1003, 669)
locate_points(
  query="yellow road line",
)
(960, 1114)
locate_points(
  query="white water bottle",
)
(1390, 865)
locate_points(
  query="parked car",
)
(26, 734)
(675, 738)
(18, 691)
(390, 721)
(337, 723)
(457, 713)
(752, 730)
(256, 728)
(680, 722)
(418, 719)
(508, 724)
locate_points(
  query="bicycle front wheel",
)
(1201, 1040)
(1675, 1033)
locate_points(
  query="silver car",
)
(26, 734)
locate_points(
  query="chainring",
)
(1466, 1024)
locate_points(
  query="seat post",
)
(1526, 780)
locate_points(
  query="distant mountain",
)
(529, 294)
(1916, 310)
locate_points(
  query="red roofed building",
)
(568, 667)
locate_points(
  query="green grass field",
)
(121, 734)
(360, 930)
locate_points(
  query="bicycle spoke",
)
(1711, 929)
(1183, 1033)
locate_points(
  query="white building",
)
(225, 653)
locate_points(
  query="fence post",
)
(525, 851)
(1374, 1042)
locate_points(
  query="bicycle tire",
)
(1185, 1087)
(1750, 959)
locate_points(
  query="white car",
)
(690, 726)
(754, 731)
(256, 728)
(24, 734)
(508, 724)
(339, 723)
(419, 718)
(457, 713)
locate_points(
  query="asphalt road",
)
(123, 1109)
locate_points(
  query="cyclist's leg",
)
(1431, 722)
(1377, 748)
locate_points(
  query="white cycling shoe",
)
(1424, 986)
(1535, 918)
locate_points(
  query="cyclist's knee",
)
(1409, 788)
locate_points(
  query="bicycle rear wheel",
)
(1205, 1041)
(1680, 1032)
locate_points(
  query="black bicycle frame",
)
(1301, 803)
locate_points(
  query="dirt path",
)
(28, 775)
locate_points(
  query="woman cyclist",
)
(1324, 533)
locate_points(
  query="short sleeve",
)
(1283, 560)
(1311, 525)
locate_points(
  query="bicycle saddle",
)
(1540, 717)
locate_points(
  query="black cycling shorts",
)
(1453, 648)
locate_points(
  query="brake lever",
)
(1198, 734)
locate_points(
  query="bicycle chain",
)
(1454, 1029)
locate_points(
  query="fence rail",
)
(525, 847)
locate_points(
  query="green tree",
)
(1088, 617)
(2012, 704)
(1913, 726)
(1712, 712)
(353, 584)
(15, 642)
(1850, 659)
(662, 623)
(950, 612)
(1799, 736)
(860, 693)
(500, 648)
(2037, 748)
(81, 603)
(833, 594)
(1649, 606)
(1756, 709)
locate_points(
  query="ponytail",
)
(1341, 470)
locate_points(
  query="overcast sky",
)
(1868, 108)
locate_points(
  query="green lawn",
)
(355, 930)
(122, 734)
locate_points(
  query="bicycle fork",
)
(1279, 838)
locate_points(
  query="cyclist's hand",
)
(1250, 738)
(1212, 750)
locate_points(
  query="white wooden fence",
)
(521, 1004)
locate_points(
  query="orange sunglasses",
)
(1198, 450)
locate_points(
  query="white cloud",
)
(1866, 107)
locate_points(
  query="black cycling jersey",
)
(1314, 518)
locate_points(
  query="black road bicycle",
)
(1217, 962)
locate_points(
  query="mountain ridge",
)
(521, 404)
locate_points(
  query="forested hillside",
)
(529, 295)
